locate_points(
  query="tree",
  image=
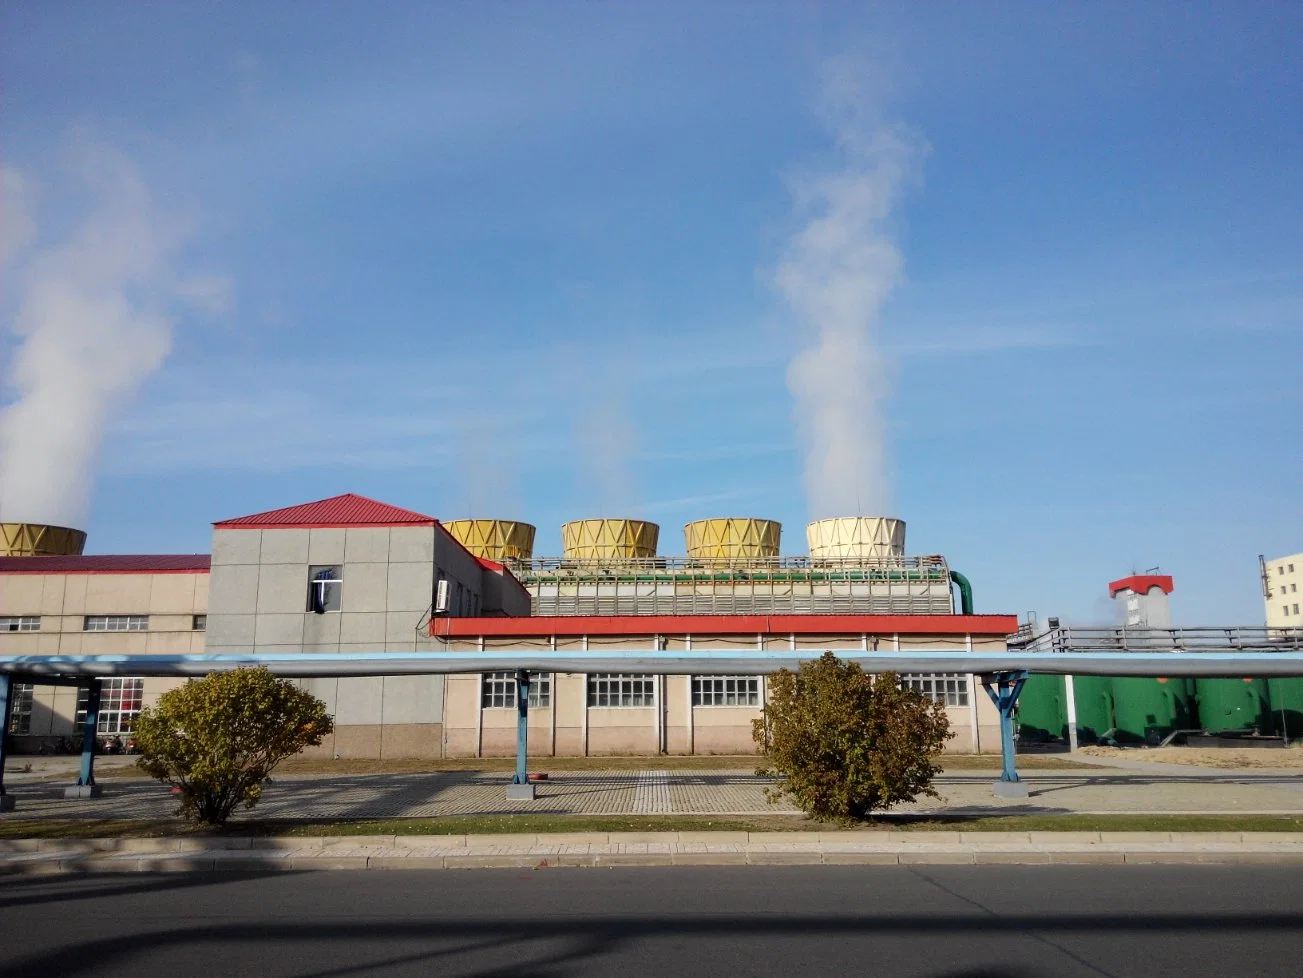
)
(843, 744)
(218, 739)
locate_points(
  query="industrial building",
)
(1281, 577)
(351, 574)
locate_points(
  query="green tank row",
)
(1144, 711)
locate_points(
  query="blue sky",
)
(519, 260)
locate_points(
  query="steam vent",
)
(856, 536)
(732, 538)
(494, 539)
(39, 540)
(609, 539)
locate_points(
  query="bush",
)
(218, 739)
(843, 744)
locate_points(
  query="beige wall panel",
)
(460, 742)
(230, 631)
(364, 587)
(283, 589)
(363, 629)
(411, 740)
(20, 594)
(70, 643)
(612, 740)
(271, 631)
(326, 546)
(990, 643)
(53, 592)
(167, 643)
(360, 701)
(20, 643)
(171, 594)
(201, 593)
(284, 546)
(326, 690)
(620, 716)
(678, 740)
(723, 740)
(321, 630)
(171, 623)
(958, 643)
(358, 740)
(236, 547)
(409, 587)
(113, 643)
(51, 643)
(413, 699)
(496, 742)
(570, 700)
(598, 642)
(463, 701)
(725, 716)
(323, 751)
(117, 594)
(569, 742)
(74, 593)
(234, 590)
(411, 544)
(366, 545)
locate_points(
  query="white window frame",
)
(709, 692)
(498, 691)
(332, 589)
(20, 623)
(114, 693)
(621, 690)
(115, 623)
(22, 696)
(947, 688)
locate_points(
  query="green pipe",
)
(965, 592)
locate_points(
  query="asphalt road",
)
(936, 921)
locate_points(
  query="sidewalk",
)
(548, 851)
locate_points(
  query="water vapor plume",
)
(835, 274)
(92, 318)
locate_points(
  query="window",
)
(950, 688)
(325, 589)
(1291, 568)
(1280, 570)
(1296, 609)
(116, 623)
(20, 623)
(725, 690)
(499, 690)
(120, 701)
(20, 717)
(619, 689)
(1284, 609)
(1294, 588)
(199, 623)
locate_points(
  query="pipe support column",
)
(520, 788)
(1004, 688)
(86, 786)
(6, 709)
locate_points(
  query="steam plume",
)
(835, 274)
(90, 325)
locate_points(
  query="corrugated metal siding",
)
(346, 510)
(104, 563)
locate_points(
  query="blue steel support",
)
(522, 727)
(1004, 689)
(86, 778)
(6, 707)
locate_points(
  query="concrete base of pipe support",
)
(1010, 789)
(83, 791)
(7, 803)
(520, 792)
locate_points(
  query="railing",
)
(1199, 639)
(706, 569)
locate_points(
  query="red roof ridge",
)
(347, 509)
(1141, 583)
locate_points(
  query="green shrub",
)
(843, 744)
(218, 739)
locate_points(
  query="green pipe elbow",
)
(965, 592)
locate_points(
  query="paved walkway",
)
(1174, 789)
(644, 849)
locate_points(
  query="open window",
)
(325, 589)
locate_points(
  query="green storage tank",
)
(1094, 702)
(1232, 705)
(1042, 710)
(1147, 710)
(1286, 696)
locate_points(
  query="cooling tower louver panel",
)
(494, 539)
(609, 539)
(856, 536)
(732, 538)
(40, 540)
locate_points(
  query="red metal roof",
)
(1141, 583)
(108, 564)
(349, 509)
(725, 625)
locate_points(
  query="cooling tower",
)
(732, 538)
(494, 539)
(609, 539)
(856, 536)
(38, 540)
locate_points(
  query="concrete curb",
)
(598, 849)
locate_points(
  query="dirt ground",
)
(1218, 757)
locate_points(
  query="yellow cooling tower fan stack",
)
(494, 539)
(856, 536)
(609, 539)
(39, 540)
(732, 538)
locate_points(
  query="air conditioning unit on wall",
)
(441, 597)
